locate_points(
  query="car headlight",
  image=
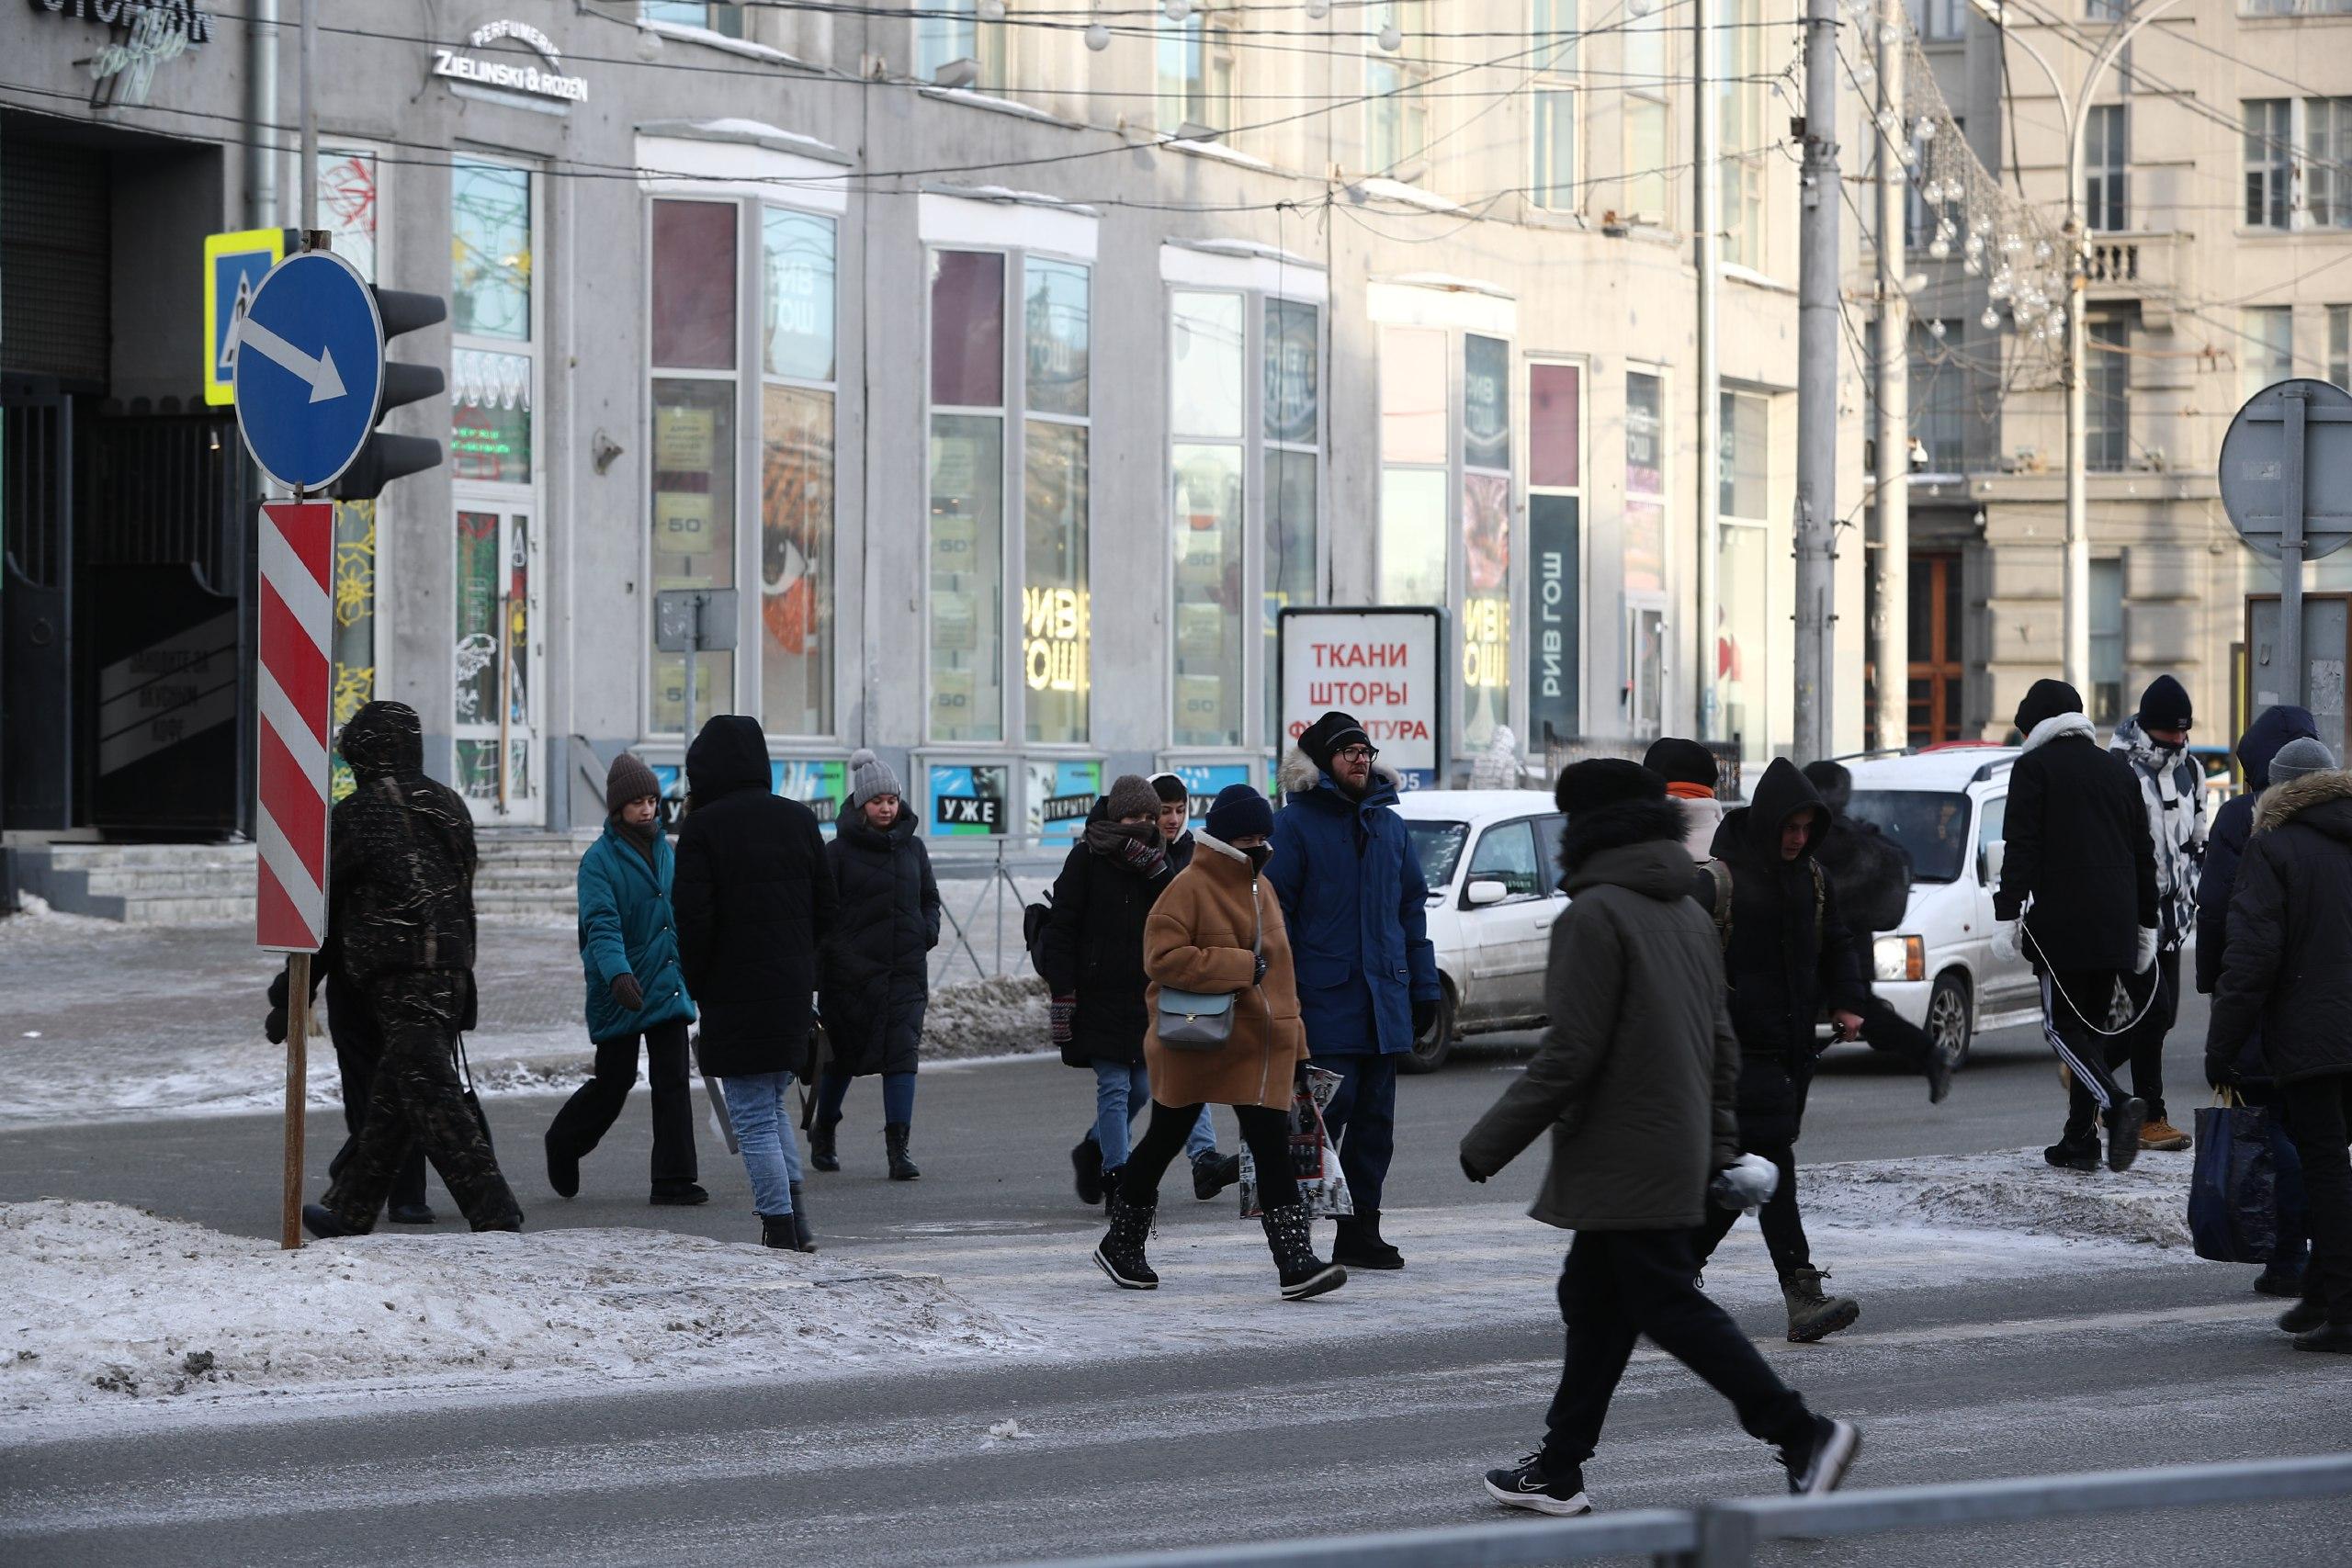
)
(1899, 958)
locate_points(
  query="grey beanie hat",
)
(629, 779)
(2299, 757)
(869, 775)
(1131, 795)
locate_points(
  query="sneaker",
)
(2070, 1153)
(1818, 1462)
(2163, 1136)
(1213, 1172)
(2278, 1280)
(685, 1196)
(2301, 1318)
(2123, 1134)
(2334, 1337)
(1526, 1485)
(1086, 1161)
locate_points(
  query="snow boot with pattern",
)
(1289, 1237)
(1121, 1255)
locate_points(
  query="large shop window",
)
(1485, 637)
(1009, 428)
(1644, 544)
(1555, 551)
(1230, 463)
(735, 419)
(1743, 570)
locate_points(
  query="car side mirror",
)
(1988, 863)
(1480, 894)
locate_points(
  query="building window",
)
(950, 30)
(1644, 482)
(727, 20)
(2326, 145)
(796, 515)
(1292, 358)
(1487, 508)
(2265, 348)
(1647, 150)
(1193, 73)
(2269, 163)
(2108, 395)
(1937, 676)
(2103, 10)
(1057, 610)
(1745, 569)
(1937, 380)
(1747, 154)
(967, 496)
(692, 336)
(1552, 101)
(1397, 87)
(1208, 429)
(1938, 21)
(2105, 159)
(1413, 410)
(1554, 552)
(2106, 641)
(2339, 346)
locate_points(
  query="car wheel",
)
(1430, 1052)
(1950, 1020)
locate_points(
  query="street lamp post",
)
(2075, 111)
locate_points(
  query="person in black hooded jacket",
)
(2077, 845)
(401, 875)
(754, 900)
(1786, 955)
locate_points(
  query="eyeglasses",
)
(1356, 754)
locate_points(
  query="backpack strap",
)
(1820, 902)
(1722, 911)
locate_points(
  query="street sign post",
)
(310, 369)
(234, 266)
(2286, 482)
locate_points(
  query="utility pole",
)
(1818, 320)
(1707, 253)
(261, 117)
(308, 183)
(1890, 618)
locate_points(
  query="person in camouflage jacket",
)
(401, 870)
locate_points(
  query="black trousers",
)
(417, 1100)
(1783, 1227)
(1265, 1131)
(1620, 1285)
(2319, 1118)
(2144, 1043)
(358, 1046)
(593, 1109)
(2090, 1056)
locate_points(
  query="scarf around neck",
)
(1138, 846)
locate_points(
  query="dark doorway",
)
(1937, 674)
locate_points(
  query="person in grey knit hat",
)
(2299, 757)
(870, 777)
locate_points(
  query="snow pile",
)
(113, 1305)
(1003, 1017)
(2013, 1192)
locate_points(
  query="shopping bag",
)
(2233, 1189)
(1312, 1162)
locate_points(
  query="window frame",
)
(2106, 430)
(2266, 159)
(1408, 101)
(2107, 176)
(1576, 649)
(1555, 86)
(1204, 38)
(1940, 21)
(2277, 357)
(1741, 136)
(1647, 99)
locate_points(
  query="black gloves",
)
(1472, 1171)
(273, 1027)
(2220, 1074)
(1259, 977)
(1424, 1016)
(629, 993)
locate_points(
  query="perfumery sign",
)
(511, 75)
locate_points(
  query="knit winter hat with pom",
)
(869, 775)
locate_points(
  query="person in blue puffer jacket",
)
(628, 953)
(1355, 903)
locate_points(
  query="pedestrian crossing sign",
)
(233, 266)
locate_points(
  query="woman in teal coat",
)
(629, 950)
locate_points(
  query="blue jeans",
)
(897, 1098)
(763, 1130)
(1122, 1090)
(1362, 1119)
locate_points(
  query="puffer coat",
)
(626, 926)
(878, 962)
(2289, 971)
(1205, 935)
(1092, 948)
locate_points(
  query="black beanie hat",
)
(2164, 705)
(1678, 760)
(2047, 699)
(1605, 781)
(1237, 812)
(1170, 789)
(1329, 734)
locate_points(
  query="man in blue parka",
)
(1355, 902)
(628, 953)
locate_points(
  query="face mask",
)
(1259, 856)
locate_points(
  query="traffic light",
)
(387, 456)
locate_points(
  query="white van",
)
(1492, 860)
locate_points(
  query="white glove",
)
(2145, 959)
(1748, 1182)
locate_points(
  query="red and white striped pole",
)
(294, 683)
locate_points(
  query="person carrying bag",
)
(1225, 1031)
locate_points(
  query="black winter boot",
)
(1358, 1243)
(1213, 1172)
(802, 1240)
(1289, 1239)
(1812, 1314)
(775, 1231)
(2301, 1318)
(322, 1223)
(2123, 1133)
(2073, 1151)
(894, 1138)
(1086, 1162)
(1121, 1254)
(820, 1147)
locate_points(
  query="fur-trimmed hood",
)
(2282, 803)
(1300, 776)
(1585, 847)
(2058, 727)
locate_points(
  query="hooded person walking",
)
(1786, 954)
(1091, 954)
(2155, 740)
(878, 962)
(1635, 1080)
(1217, 931)
(401, 875)
(2076, 833)
(755, 902)
(629, 950)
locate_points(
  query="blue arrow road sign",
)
(310, 368)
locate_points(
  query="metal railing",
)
(1726, 1534)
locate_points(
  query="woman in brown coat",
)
(1218, 930)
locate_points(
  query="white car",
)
(1950, 968)
(1492, 860)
